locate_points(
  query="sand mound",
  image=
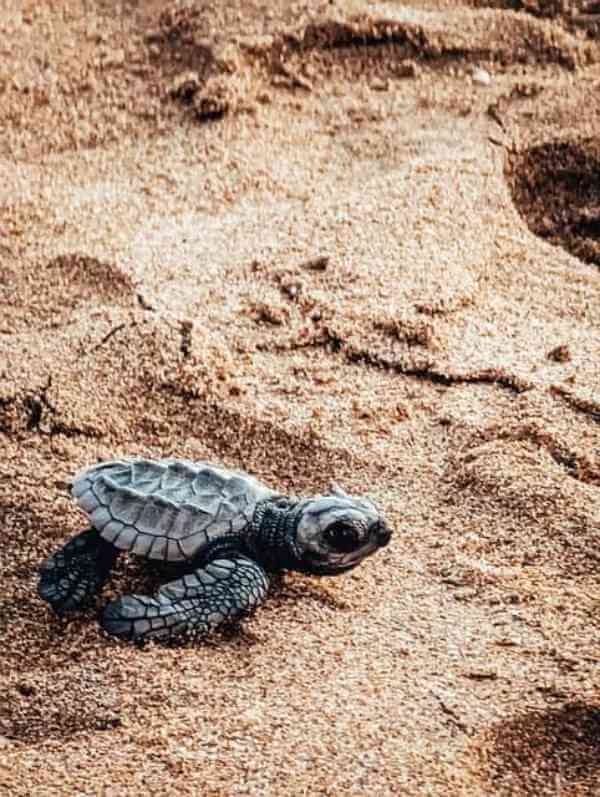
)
(47, 295)
(552, 515)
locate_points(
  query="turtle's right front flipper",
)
(195, 605)
(70, 578)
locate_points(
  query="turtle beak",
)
(382, 534)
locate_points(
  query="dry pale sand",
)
(308, 240)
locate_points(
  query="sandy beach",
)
(315, 241)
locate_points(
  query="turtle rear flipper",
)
(195, 604)
(70, 578)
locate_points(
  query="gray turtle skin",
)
(225, 529)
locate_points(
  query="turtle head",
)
(334, 533)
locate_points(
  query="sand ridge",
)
(302, 240)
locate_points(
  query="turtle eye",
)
(342, 537)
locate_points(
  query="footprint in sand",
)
(555, 751)
(556, 188)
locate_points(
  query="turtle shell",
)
(166, 509)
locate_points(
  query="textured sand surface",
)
(313, 241)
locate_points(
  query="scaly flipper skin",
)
(192, 605)
(70, 578)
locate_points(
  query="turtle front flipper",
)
(70, 578)
(193, 605)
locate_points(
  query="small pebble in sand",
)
(380, 85)
(406, 69)
(319, 263)
(481, 674)
(185, 85)
(560, 354)
(481, 76)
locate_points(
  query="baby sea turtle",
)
(226, 530)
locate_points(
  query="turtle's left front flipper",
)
(195, 604)
(70, 578)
